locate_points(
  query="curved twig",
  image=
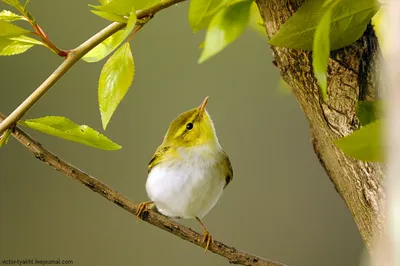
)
(232, 254)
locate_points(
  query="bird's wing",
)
(158, 157)
(228, 171)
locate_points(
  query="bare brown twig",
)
(232, 254)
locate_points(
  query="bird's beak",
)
(203, 106)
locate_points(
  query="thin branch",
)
(232, 254)
(74, 56)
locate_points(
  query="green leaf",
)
(111, 43)
(7, 29)
(349, 21)
(64, 128)
(26, 4)
(368, 111)
(10, 16)
(225, 27)
(115, 79)
(321, 48)
(364, 144)
(109, 16)
(4, 138)
(202, 11)
(17, 45)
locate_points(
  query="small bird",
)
(189, 170)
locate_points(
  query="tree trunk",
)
(352, 76)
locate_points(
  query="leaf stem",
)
(39, 31)
(72, 57)
(134, 32)
(232, 254)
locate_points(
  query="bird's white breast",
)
(189, 186)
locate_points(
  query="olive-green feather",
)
(228, 170)
(158, 157)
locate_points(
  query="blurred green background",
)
(280, 205)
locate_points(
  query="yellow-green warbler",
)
(189, 170)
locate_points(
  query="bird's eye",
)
(189, 126)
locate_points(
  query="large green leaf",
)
(364, 144)
(64, 128)
(17, 45)
(368, 111)
(321, 48)
(8, 29)
(10, 16)
(115, 79)
(349, 21)
(202, 11)
(225, 27)
(111, 43)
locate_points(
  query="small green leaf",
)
(202, 11)
(225, 27)
(109, 16)
(368, 111)
(364, 144)
(321, 48)
(64, 128)
(111, 43)
(8, 29)
(10, 16)
(26, 4)
(4, 138)
(115, 79)
(17, 45)
(349, 21)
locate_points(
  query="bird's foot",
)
(142, 207)
(207, 238)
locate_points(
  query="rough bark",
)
(352, 76)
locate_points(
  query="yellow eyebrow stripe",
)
(183, 128)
